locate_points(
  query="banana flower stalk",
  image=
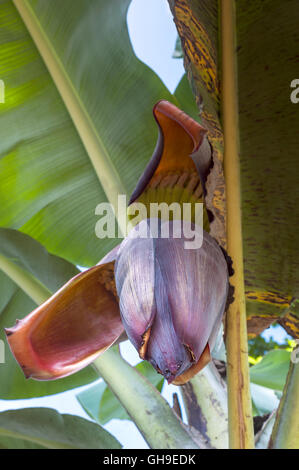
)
(169, 300)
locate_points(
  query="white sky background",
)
(153, 35)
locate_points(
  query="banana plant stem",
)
(241, 434)
(148, 409)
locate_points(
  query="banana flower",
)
(169, 300)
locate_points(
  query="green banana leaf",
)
(267, 38)
(272, 370)
(50, 184)
(102, 405)
(51, 272)
(35, 428)
(285, 434)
